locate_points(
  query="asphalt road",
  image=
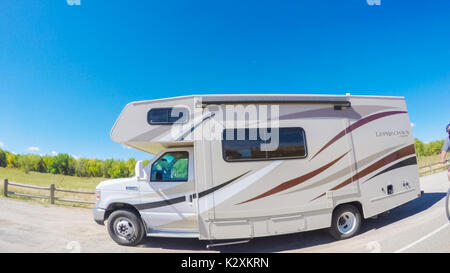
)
(419, 226)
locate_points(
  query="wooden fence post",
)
(52, 194)
(5, 188)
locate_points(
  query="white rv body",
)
(358, 150)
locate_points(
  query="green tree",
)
(106, 165)
(95, 168)
(131, 164)
(82, 167)
(3, 161)
(436, 147)
(420, 147)
(31, 162)
(62, 164)
(145, 162)
(11, 160)
(118, 169)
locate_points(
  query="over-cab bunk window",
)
(263, 144)
(167, 116)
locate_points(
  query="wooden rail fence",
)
(51, 196)
(429, 168)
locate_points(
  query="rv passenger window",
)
(158, 116)
(171, 167)
(247, 144)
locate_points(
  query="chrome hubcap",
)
(346, 223)
(124, 229)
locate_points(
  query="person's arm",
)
(443, 155)
(444, 150)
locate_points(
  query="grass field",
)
(45, 179)
(425, 160)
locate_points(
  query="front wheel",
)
(346, 222)
(125, 228)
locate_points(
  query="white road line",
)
(422, 239)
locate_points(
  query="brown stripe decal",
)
(346, 171)
(295, 181)
(356, 125)
(405, 151)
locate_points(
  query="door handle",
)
(190, 199)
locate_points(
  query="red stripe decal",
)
(356, 125)
(294, 182)
(405, 151)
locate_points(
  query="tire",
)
(125, 228)
(346, 222)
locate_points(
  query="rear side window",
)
(158, 116)
(291, 144)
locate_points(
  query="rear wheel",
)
(447, 205)
(125, 228)
(346, 222)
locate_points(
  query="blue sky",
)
(66, 71)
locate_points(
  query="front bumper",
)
(99, 215)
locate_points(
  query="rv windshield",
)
(171, 167)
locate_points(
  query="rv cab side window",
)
(248, 144)
(171, 167)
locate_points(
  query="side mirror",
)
(139, 171)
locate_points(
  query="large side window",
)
(246, 144)
(171, 167)
(161, 116)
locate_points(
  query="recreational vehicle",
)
(237, 167)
